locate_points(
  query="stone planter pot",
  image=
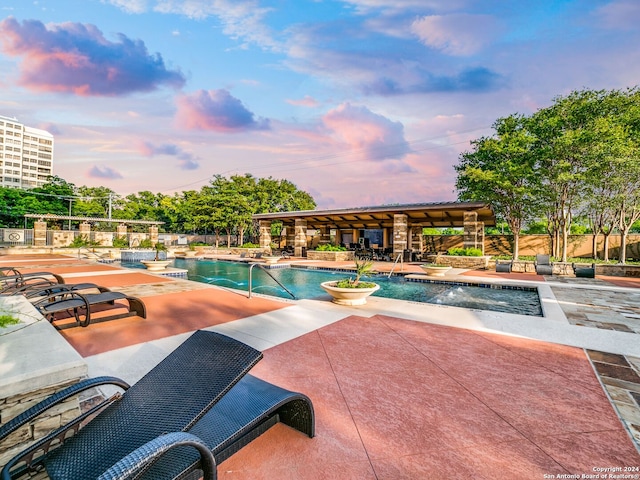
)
(186, 254)
(435, 270)
(348, 296)
(155, 265)
(271, 259)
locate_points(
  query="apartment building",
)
(26, 154)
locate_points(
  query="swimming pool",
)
(305, 284)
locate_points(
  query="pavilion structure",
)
(396, 227)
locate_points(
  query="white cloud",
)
(458, 34)
(130, 6)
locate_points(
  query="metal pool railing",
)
(268, 273)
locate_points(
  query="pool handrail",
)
(399, 257)
(268, 273)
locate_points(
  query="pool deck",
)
(404, 390)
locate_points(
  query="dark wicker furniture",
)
(189, 413)
(543, 265)
(584, 271)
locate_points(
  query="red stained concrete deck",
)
(396, 399)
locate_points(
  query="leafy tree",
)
(502, 171)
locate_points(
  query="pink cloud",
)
(77, 58)
(103, 172)
(375, 135)
(215, 110)
(307, 101)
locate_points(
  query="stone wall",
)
(11, 407)
(459, 261)
(344, 256)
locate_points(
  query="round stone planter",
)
(271, 259)
(348, 296)
(435, 270)
(155, 265)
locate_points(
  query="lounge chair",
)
(59, 303)
(12, 279)
(503, 267)
(584, 271)
(543, 265)
(192, 411)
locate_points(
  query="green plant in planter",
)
(120, 242)
(330, 248)
(159, 247)
(364, 268)
(465, 252)
(146, 243)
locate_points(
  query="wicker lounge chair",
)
(189, 413)
(543, 265)
(60, 303)
(504, 267)
(584, 271)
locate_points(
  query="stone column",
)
(85, 230)
(153, 234)
(300, 245)
(400, 229)
(40, 234)
(121, 230)
(265, 235)
(473, 231)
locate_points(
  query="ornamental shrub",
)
(465, 252)
(330, 248)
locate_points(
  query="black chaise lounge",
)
(72, 305)
(504, 267)
(188, 414)
(584, 271)
(543, 265)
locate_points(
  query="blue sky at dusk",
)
(358, 102)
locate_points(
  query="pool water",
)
(305, 284)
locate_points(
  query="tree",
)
(502, 171)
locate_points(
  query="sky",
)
(357, 102)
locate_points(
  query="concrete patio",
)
(404, 390)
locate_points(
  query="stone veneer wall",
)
(459, 261)
(55, 417)
(331, 256)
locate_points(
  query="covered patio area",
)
(395, 228)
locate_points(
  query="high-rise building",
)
(26, 154)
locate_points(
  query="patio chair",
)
(191, 412)
(503, 267)
(12, 279)
(60, 303)
(543, 265)
(584, 271)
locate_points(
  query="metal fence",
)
(16, 236)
